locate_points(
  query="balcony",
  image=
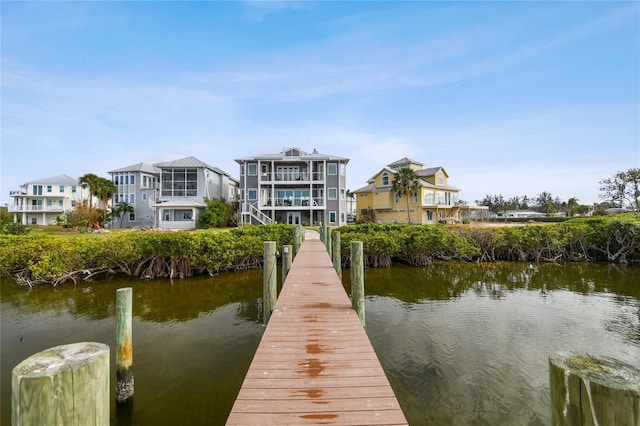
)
(292, 177)
(36, 209)
(287, 203)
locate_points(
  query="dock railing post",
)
(124, 355)
(357, 279)
(329, 244)
(336, 253)
(287, 260)
(589, 390)
(65, 385)
(269, 280)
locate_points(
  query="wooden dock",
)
(315, 363)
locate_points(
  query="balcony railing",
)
(41, 209)
(294, 202)
(302, 176)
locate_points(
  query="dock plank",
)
(315, 363)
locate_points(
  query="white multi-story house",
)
(293, 187)
(41, 202)
(171, 194)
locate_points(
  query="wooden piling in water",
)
(357, 279)
(287, 260)
(269, 280)
(124, 341)
(336, 253)
(588, 390)
(63, 385)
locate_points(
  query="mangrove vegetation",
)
(32, 259)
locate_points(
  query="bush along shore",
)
(53, 259)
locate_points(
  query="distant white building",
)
(524, 213)
(40, 202)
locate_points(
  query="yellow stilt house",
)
(433, 201)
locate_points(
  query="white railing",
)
(252, 211)
(302, 176)
(30, 208)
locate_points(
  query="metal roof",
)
(139, 167)
(292, 154)
(56, 180)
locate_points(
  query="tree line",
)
(621, 190)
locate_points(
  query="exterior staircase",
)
(251, 214)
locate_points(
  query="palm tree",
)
(120, 209)
(571, 205)
(405, 183)
(87, 181)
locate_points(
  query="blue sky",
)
(513, 98)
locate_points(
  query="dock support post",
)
(336, 253)
(357, 279)
(269, 280)
(287, 260)
(588, 390)
(296, 240)
(323, 235)
(66, 385)
(124, 338)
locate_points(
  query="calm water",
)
(462, 344)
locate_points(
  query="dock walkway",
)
(315, 363)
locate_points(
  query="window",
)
(48, 203)
(332, 217)
(397, 198)
(132, 217)
(37, 190)
(332, 193)
(429, 215)
(73, 203)
(126, 180)
(115, 180)
(73, 189)
(343, 169)
(343, 195)
(49, 188)
(385, 178)
(144, 196)
(332, 168)
(61, 188)
(252, 169)
(415, 197)
(242, 169)
(132, 198)
(253, 194)
(133, 179)
(441, 178)
(429, 198)
(60, 203)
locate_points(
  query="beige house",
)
(434, 201)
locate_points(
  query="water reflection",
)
(461, 343)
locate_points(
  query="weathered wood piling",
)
(269, 280)
(357, 279)
(124, 338)
(63, 385)
(336, 255)
(287, 260)
(589, 390)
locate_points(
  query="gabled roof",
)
(56, 180)
(431, 171)
(292, 154)
(405, 160)
(139, 167)
(191, 162)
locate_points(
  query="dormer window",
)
(441, 178)
(385, 178)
